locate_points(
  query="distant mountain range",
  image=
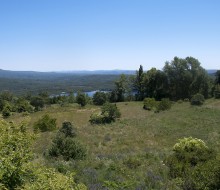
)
(35, 74)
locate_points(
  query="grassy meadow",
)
(129, 153)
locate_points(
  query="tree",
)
(37, 102)
(81, 99)
(155, 84)
(138, 84)
(121, 87)
(186, 77)
(23, 105)
(217, 77)
(99, 98)
(6, 95)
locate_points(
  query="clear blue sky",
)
(54, 35)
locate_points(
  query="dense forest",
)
(155, 129)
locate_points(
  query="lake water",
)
(90, 93)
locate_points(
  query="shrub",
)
(67, 129)
(188, 154)
(46, 123)
(67, 147)
(197, 99)
(164, 104)
(99, 98)
(149, 103)
(109, 113)
(15, 153)
(6, 112)
(97, 118)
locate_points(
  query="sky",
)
(63, 35)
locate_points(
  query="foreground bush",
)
(187, 162)
(46, 123)
(16, 169)
(66, 146)
(15, 153)
(197, 99)
(44, 178)
(109, 113)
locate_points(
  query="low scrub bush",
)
(109, 113)
(150, 103)
(65, 145)
(67, 129)
(68, 148)
(46, 123)
(164, 104)
(187, 162)
(197, 99)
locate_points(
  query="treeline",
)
(180, 79)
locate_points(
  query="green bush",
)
(97, 118)
(67, 129)
(81, 99)
(67, 147)
(99, 98)
(109, 113)
(197, 99)
(150, 103)
(164, 104)
(188, 155)
(6, 112)
(46, 123)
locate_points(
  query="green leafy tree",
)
(23, 105)
(217, 77)
(99, 98)
(37, 102)
(81, 99)
(138, 84)
(6, 95)
(155, 84)
(46, 123)
(186, 77)
(121, 88)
